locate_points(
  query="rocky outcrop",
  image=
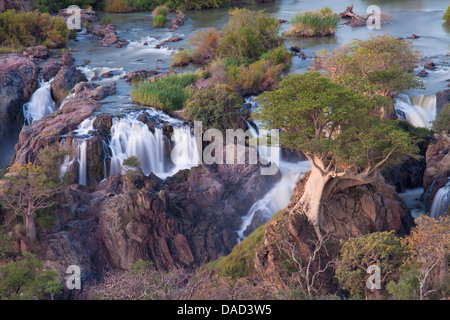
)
(442, 98)
(85, 15)
(18, 80)
(355, 212)
(50, 69)
(56, 127)
(107, 34)
(178, 21)
(64, 81)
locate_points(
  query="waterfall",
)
(131, 137)
(40, 104)
(441, 202)
(279, 196)
(83, 131)
(417, 110)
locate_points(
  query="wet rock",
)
(37, 52)
(66, 78)
(423, 73)
(171, 40)
(430, 65)
(50, 69)
(298, 51)
(414, 36)
(67, 59)
(140, 74)
(89, 90)
(86, 16)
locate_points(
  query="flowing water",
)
(420, 110)
(441, 202)
(40, 104)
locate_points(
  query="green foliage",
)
(159, 21)
(217, 107)
(168, 93)
(248, 35)
(50, 160)
(6, 242)
(376, 67)
(27, 279)
(53, 6)
(26, 29)
(407, 287)
(314, 23)
(442, 122)
(446, 15)
(383, 249)
(106, 19)
(328, 120)
(416, 132)
(239, 263)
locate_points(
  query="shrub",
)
(106, 20)
(119, 6)
(182, 58)
(27, 279)
(160, 11)
(205, 43)
(442, 122)
(446, 15)
(248, 35)
(168, 93)
(159, 21)
(26, 29)
(217, 107)
(53, 6)
(314, 23)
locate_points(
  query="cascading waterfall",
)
(417, 110)
(40, 104)
(131, 137)
(279, 196)
(441, 202)
(81, 143)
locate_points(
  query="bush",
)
(217, 107)
(259, 76)
(446, 15)
(314, 23)
(118, 6)
(27, 279)
(160, 11)
(168, 93)
(182, 58)
(248, 35)
(26, 29)
(442, 122)
(159, 21)
(205, 43)
(53, 6)
(106, 20)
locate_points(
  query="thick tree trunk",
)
(30, 227)
(319, 187)
(311, 200)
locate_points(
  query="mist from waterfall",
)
(40, 104)
(417, 110)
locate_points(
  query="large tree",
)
(26, 189)
(338, 130)
(379, 67)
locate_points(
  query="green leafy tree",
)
(27, 190)
(378, 67)
(217, 107)
(332, 125)
(27, 279)
(383, 249)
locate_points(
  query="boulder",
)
(442, 98)
(64, 81)
(430, 65)
(50, 69)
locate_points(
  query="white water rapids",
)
(417, 110)
(40, 104)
